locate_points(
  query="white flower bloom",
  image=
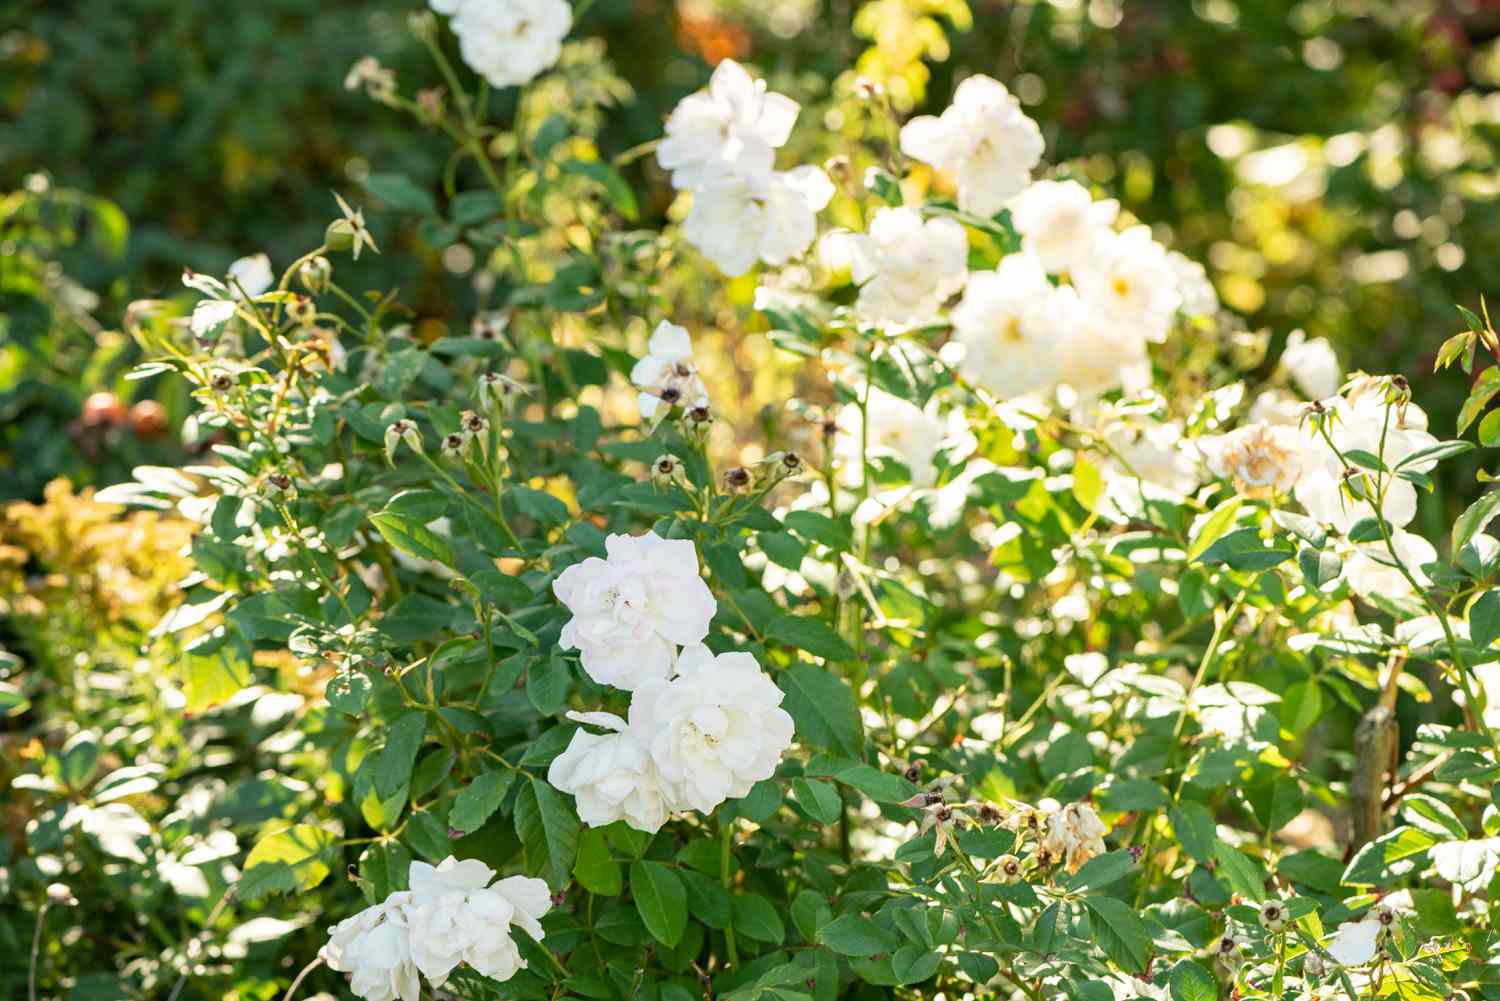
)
(907, 267)
(1361, 423)
(1312, 364)
(984, 139)
(1276, 406)
(455, 916)
(611, 775)
(735, 121)
(1153, 455)
(667, 375)
(1355, 943)
(374, 946)
(1074, 835)
(1095, 354)
(1258, 457)
(250, 276)
(898, 429)
(714, 730)
(1060, 223)
(1198, 295)
(632, 610)
(1129, 279)
(739, 216)
(1010, 322)
(510, 42)
(1371, 572)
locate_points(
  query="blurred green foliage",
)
(1333, 161)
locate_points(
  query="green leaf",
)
(1389, 857)
(782, 548)
(882, 787)
(596, 869)
(1194, 828)
(1474, 519)
(1244, 549)
(403, 740)
(823, 708)
(479, 799)
(1320, 567)
(660, 899)
(811, 635)
(614, 183)
(1101, 871)
(755, 917)
(819, 799)
(293, 859)
(1484, 619)
(412, 537)
(856, 935)
(1120, 932)
(1243, 874)
(548, 829)
(538, 504)
(218, 667)
(1484, 389)
(1191, 982)
(398, 191)
(1213, 528)
(547, 683)
(819, 528)
(470, 208)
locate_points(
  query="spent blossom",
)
(667, 375)
(1074, 835)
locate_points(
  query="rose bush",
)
(1048, 644)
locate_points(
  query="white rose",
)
(455, 916)
(250, 276)
(897, 428)
(1372, 573)
(1074, 835)
(1129, 280)
(1060, 222)
(907, 266)
(1362, 423)
(511, 42)
(1009, 323)
(733, 122)
(610, 775)
(1258, 457)
(1355, 942)
(632, 610)
(714, 730)
(1152, 462)
(741, 216)
(374, 947)
(667, 375)
(1096, 355)
(1198, 295)
(984, 138)
(1312, 364)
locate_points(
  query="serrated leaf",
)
(548, 829)
(811, 635)
(1120, 932)
(823, 708)
(660, 899)
(479, 799)
(293, 859)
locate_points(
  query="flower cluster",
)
(452, 914)
(721, 144)
(508, 42)
(702, 728)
